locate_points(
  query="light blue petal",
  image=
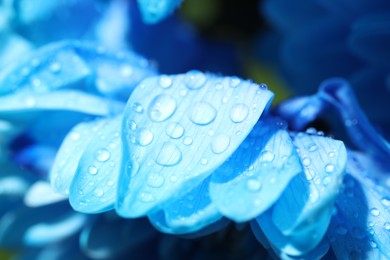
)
(108, 236)
(191, 212)
(41, 194)
(24, 103)
(254, 177)
(70, 152)
(361, 226)
(178, 130)
(154, 11)
(39, 226)
(309, 198)
(93, 188)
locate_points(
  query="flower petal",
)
(154, 11)
(93, 188)
(254, 177)
(361, 225)
(181, 128)
(41, 194)
(189, 213)
(70, 152)
(309, 198)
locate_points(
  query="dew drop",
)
(99, 192)
(187, 140)
(132, 125)
(234, 82)
(110, 183)
(266, 156)
(145, 137)
(146, 197)
(195, 79)
(329, 168)
(311, 147)
(373, 244)
(173, 178)
(202, 113)
(102, 155)
(306, 161)
(326, 180)
(165, 81)
(375, 212)
(386, 201)
(174, 130)
(92, 170)
(137, 107)
(218, 86)
(220, 143)
(204, 161)
(387, 226)
(331, 154)
(155, 180)
(169, 155)
(253, 185)
(239, 113)
(161, 108)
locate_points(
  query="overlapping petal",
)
(164, 158)
(154, 11)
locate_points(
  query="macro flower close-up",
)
(171, 129)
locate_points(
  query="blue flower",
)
(322, 39)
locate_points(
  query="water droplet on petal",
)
(306, 161)
(387, 226)
(203, 113)
(195, 79)
(218, 86)
(220, 143)
(145, 137)
(165, 81)
(126, 71)
(155, 180)
(92, 170)
(187, 140)
(98, 192)
(386, 201)
(331, 154)
(375, 212)
(203, 161)
(234, 82)
(146, 197)
(329, 168)
(266, 156)
(174, 130)
(311, 147)
(169, 155)
(137, 107)
(161, 108)
(254, 185)
(239, 113)
(102, 155)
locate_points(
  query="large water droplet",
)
(145, 137)
(203, 113)
(254, 185)
(195, 79)
(102, 155)
(169, 155)
(220, 143)
(155, 180)
(174, 130)
(161, 108)
(239, 113)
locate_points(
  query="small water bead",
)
(312, 147)
(266, 156)
(263, 86)
(102, 155)
(187, 140)
(145, 137)
(183, 92)
(375, 212)
(204, 161)
(99, 192)
(329, 168)
(161, 108)
(173, 178)
(306, 161)
(195, 79)
(218, 86)
(146, 197)
(110, 183)
(55, 67)
(220, 143)
(155, 180)
(174, 130)
(385, 201)
(254, 185)
(373, 244)
(326, 180)
(92, 170)
(132, 125)
(341, 230)
(234, 82)
(169, 155)
(137, 107)
(239, 113)
(165, 81)
(387, 226)
(202, 113)
(331, 154)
